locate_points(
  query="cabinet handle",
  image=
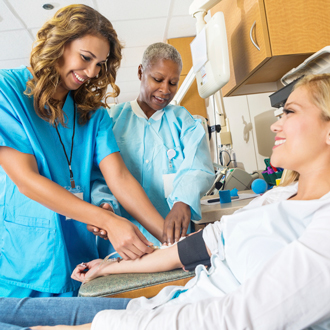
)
(251, 38)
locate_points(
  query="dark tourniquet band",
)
(192, 251)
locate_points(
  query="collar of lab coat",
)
(140, 113)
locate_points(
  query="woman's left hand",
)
(64, 327)
(176, 223)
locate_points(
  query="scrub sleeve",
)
(38, 247)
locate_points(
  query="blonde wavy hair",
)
(70, 23)
(318, 87)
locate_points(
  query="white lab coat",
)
(278, 249)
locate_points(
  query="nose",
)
(277, 126)
(164, 88)
(92, 70)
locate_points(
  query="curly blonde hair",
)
(70, 23)
(318, 87)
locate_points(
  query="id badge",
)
(168, 183)
(77, 191)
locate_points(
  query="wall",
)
(249, 118)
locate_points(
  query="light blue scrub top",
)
(144, 143)
(39, 248)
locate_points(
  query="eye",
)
(85, 58)
(287, 111)
(173, 83)
(157, 80)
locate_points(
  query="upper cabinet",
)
(267, 38)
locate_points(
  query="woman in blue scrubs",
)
(163, 146)
(54, 137)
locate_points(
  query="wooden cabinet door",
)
(298, 26)
(240, 17)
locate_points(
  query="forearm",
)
(39, 189)
(136, 202)
(158, 261)
(130, 194)
(23, 171)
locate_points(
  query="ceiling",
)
(137, 22)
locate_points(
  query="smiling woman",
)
(78, 64)
(55, 136)
(58, 36)
(305, 122)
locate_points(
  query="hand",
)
(97, 231)
(176, 223)
(64, 327)
(127, 239)
(79, 273)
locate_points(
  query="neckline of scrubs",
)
(140, 113)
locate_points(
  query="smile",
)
(160, 99)
(78, 77)
(279, 142)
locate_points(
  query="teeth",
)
(159, 98)
(79, 78)
(279, 142)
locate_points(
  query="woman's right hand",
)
(127, 239)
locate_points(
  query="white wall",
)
(249, 117)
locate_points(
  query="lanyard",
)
(73, 185)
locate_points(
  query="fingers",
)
(78, 273)
(136, 248)
(184, 227)
(97, 231)
(130, 253)
(169, 228)
(146, 244)
(174, 229)
(127, 240)
(177, 231)
(91, 228)
(106, 206)
(176, 223)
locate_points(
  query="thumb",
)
(92, 228)
(106, 206)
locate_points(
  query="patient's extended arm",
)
(158, 261)
(188, 253)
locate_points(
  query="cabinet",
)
(192, 101)
(286, 31)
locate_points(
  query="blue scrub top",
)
(39, 248)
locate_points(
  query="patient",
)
(270, 261)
